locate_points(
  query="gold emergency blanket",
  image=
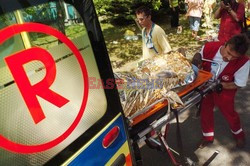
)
(152, 80)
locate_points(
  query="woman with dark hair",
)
(231, 16)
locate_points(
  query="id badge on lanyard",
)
(149, 43)
(148, 39)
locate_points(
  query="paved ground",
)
(224, 143)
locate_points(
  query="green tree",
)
(122, 11)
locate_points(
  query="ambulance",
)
(53, 107)
(59, 99)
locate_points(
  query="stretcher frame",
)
(191, 95)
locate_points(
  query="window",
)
(16, 122)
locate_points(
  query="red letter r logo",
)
(15, 63)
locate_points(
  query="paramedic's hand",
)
(218, 88)
(229, 85)
(197, 61)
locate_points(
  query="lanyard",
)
(148, 39)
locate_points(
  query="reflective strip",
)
(237, 132)
(211, 134)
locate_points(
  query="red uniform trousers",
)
(225, 102)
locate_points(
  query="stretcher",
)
(147, 126)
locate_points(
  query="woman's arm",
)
(237, 15)
(217, 13)
(233, 14)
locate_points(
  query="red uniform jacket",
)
(227, 75)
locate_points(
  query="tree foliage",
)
(123, 10)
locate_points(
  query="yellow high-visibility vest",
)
(173, 3)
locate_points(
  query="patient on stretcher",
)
(152, 80)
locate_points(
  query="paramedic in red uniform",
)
(233, 75)
(232, 16)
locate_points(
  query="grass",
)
(124, 51)
(48, 41)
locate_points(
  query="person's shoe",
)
(204, 143)
(240, 143)
(179, 29)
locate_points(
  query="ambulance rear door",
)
(58, 99)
